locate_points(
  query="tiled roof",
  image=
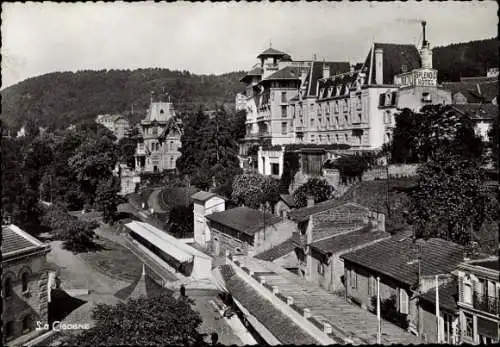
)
(484, 91)
(349, 240)
(397, 257)
(15, 240)
(287, 73)
(271, 51)
(448, 296)
(226, 271)
(144, 286)
(478, 111)
(489, 264)
(316, 73)
(244, 219)
(288, 199)
(280, 250)
(395, 56)
(254, 72)
(329, 86)
(303, 214)
(479, 79)
(282, 327)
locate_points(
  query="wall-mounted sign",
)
(419, 77)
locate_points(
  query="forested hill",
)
(63, 98)
(466, 59)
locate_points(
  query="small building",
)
(129, 179)
(161, 131)
(204, 204)
(246, 231)
(330, 229)
(116, 123)
(405, 268)
(169, 252)
(482, 115)
(478, 301)
(270, 162)
(24, 285)
(285, 204)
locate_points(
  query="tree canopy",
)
(254, 190)
(317, 188)
(448, 201)
(418, 135)
(161, 320)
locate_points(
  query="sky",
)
(204, 38)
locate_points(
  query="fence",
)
(395, 171)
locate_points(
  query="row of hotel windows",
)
(330, 139)
(336, 121)
(325, 108)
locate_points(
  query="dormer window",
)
(161, 111)
(347, 86)
(388, 99)
(404, 68)
(321, 92)
(337, 91)
(330, 91)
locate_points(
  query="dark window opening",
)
(24, 280)
(26, 323)
(7, 288)
(275, 169)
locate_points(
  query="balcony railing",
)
(486, 303)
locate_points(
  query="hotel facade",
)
(319, 102)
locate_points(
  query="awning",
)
(488, 328)
(154, 238)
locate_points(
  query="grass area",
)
(114, 260)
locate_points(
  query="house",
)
(246, 231)
(116, 123)
(204, 204)
(284, 205)
(328, 230)
(24, 285)
(482, 115)
(478, 301)
(448, 327)
(161, 131)
(405, 268)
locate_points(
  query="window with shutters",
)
(354, 279)
(403, 301)
(469, 325)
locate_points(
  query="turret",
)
(425, 51)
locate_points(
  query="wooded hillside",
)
(62, 98)
(467, 59)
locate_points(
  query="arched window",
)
(24, 281)
(7, 287)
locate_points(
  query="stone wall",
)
(32, 303)
(395, 171)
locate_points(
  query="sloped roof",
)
(280, 250)
(254, 72)
(244, 219)
(474, 92)
(287, 73)
(144, 286)
(271, 52)
(448, 296)
(394, 57)
(478, 111)
(282, 327)
(15, 241)
(303, 214)
(316, 73)
(349, 240)
(203, 196)
(396, 257)
(489, 264)
(343, 81)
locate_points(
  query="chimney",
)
(310, 201)
(379, 66)
(425, 52)
(326, 70)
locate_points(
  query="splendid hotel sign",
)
(419, 78)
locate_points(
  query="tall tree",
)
(317, 188)
(106, 197)
(447, 201)
(161, 320)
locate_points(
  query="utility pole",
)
(437, 311)
(379, 325)
(388, 201)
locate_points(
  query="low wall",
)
(395, 171)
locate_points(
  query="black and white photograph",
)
(250, 173)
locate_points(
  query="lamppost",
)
(387, 172)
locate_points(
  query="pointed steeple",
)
(144, 286)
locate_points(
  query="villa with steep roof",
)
(161, 131)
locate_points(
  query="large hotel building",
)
(321, 102)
